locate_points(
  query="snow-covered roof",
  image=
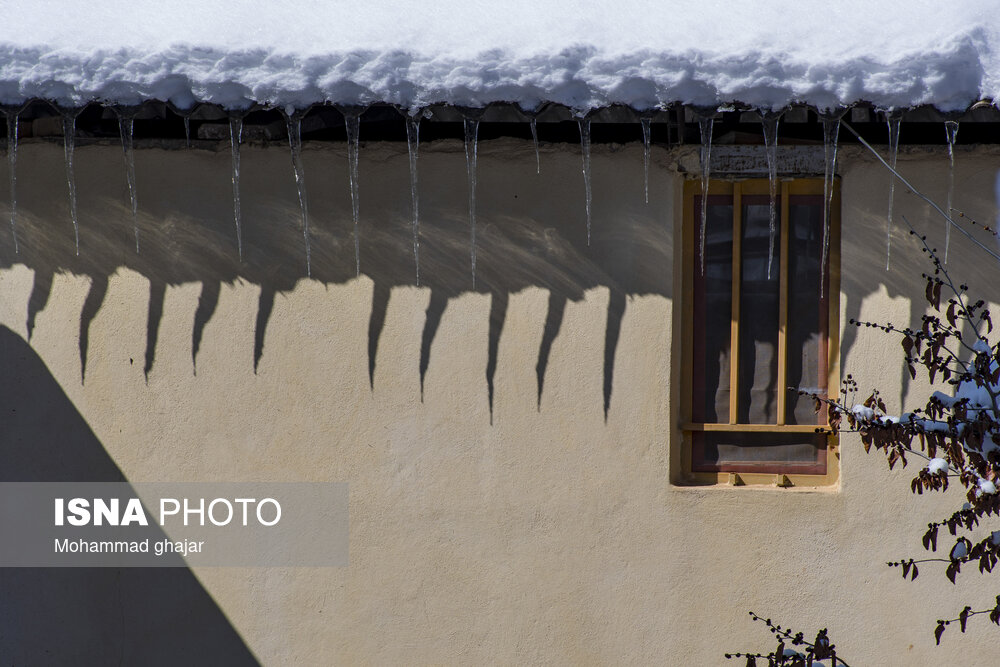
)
(642, 53)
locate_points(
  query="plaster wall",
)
(489, 523)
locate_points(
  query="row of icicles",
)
(831, 130)
(352, 117)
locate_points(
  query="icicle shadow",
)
(435, 311)
(157, 294)
(208, 301)
(612, 331)
(91, 305)
(376, 322)
(265, 304)
(553, 323)
(498, 316)
(41, 290)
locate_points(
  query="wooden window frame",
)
(766, 473)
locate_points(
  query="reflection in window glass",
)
(713, 314)
(807, 312)
(758, 358)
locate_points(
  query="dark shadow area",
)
(208, 301)
(40, 293)
(553, 323)
(186, 227)
(904, 279)
(527, 236)
(435, 311)
(90, 616)
(969, 264)
(380, 304)
(92, 304)
(498, 315)
(265, 304)
(157, 293)
(612, 330)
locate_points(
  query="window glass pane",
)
(760, 452)
(713, 312)
(758, 359)
(807, 313)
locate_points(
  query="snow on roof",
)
(469, 52)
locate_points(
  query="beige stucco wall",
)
(551, 534)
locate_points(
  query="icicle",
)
(12, 169)
(69, 144)
(235, 138)
(412, 146)
(471, 143)
(185, 114)
(893, 154)
(125, 128)
(645, 154)
(534, 139)
(584, 124)
(770, 122)
(705, 125)
(831, 130)
(951, 133)
(353, 121)
(295, 145)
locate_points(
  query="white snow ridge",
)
(642, 53)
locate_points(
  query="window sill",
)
(758, 428)
(691, 483)
(781, 478)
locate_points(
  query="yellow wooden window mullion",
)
(782, 382)
(734, 337)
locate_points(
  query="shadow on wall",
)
(89, 616)
(531, 232)
(864, 250)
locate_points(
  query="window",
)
(754, 336)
